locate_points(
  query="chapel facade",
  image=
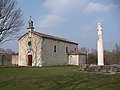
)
(38, 49)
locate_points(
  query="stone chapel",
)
(38, 49)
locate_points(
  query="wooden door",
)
(30, 60)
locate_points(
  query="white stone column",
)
(100, 46)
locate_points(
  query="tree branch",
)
(10, 19)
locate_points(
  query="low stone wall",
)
(5, 60)
(102, 69)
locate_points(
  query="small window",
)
(29, 43)
(75, 49)
(66, 49)
(43, 39)
(55, 49)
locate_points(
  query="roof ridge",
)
(50, 37)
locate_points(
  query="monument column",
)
(100, 46)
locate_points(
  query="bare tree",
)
(2, 50)
(92, 57)
(83, 50)
(109, 57)
(116, 53)
(10, 20)
(9, 51)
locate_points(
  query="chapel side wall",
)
(60, 57)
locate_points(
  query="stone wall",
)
(83, 59)
(60, 57)
(14, 59)
(5, 60)
(101, 69)
(0, 59)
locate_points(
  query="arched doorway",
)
(29, 60)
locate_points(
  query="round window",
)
(29, 43)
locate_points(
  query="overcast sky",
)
(75, 20)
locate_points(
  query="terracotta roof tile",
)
(76, 53)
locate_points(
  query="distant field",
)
(55, 78)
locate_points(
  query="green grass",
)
(55, 78)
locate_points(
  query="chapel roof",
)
(50, 37)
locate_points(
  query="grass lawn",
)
(55, 78)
